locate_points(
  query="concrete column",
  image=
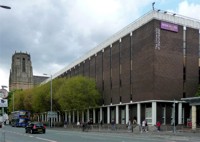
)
(139, 113)
(101, 115)
(154, 113)
(127, 113)
(117, 115)
(94, 116)
(180, 113)
(73, 117)
(194, 111)
(42, 118)
(108, 115)
(78, 119)
(83, 116)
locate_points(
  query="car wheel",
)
(26, 131)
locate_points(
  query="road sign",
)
(3, 103)
(3, 93)
(51, 114)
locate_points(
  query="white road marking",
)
(45, 139)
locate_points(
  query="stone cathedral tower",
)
(21, 73)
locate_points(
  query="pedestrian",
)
(143, 126)
(129, 126)
(158, 124)
(65, 124)
(113, 124)
(134, 121)
(146, 126)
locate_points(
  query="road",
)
(13, 134)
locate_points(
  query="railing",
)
(123, 128)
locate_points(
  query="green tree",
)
(78, 93)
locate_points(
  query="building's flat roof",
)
(154, 14)
(192, 100)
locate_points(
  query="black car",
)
(35, 127)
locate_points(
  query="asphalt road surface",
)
(13, 134)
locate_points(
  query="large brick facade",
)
(142, 69)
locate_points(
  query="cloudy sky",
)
(57, 32)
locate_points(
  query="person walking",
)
(158, 124)
(129, 126)
(113, 124)
(143, 126)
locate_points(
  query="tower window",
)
(23, 65)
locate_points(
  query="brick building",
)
(143, 70)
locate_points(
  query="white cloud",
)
(4, 78)
(57, 32)
(189, 9)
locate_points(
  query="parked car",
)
(35, 127)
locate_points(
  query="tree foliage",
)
(76, 93)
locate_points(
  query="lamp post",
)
(50, 101)
(6, 7)
(13, 98)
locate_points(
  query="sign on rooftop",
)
(169, 26)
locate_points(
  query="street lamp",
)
(13, 102)
(6, 7)
(51, 102)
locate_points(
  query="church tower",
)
(21, 73)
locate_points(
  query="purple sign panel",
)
(169, 26)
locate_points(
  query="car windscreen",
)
(21, 120)
(39, 124)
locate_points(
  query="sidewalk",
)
(136, 131)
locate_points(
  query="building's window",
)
(111, 83)
(112, 115)
(120, 82)
(23, 65)
(184, 74)
(131, 96)
(184, 94)
(120, 98)
(148, 115)
(102, 85)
